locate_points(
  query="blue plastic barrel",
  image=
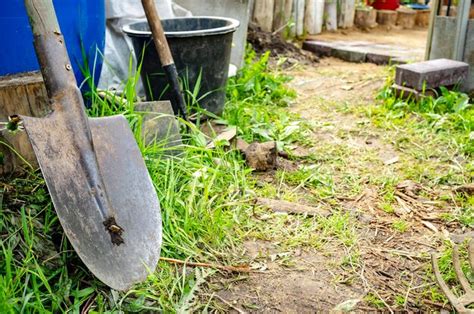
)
(82, 23)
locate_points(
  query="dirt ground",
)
(384, 265)
(414, 38)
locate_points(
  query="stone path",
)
(365, 51)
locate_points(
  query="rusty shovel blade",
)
(133, 202)
(97, 179)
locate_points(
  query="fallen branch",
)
(235, 269)
(291, 208)
(230, 304)
(467, 189)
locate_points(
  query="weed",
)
(204, 205)
(400, 300)
(400, 225)
(308, 177)
(449, 112)
(446, 268)
(374, 300)
(387, 207)
(257, 98)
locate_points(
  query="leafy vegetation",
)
(258, 101)
(448, 112)
(437, 130)
(204, 203)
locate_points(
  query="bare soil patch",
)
(387, 268)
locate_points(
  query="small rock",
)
(241, 145)
(262, 156)
(391, 161)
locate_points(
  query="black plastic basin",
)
(201, 48)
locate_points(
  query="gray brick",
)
(433, 73)
(378, 58)
(320, 48)
(350, 54)
(160, 126)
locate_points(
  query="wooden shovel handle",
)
(42, 17)
(158, 33)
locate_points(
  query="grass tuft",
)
(204, 197)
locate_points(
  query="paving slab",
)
(431, 74)
(350, 54)
(160, 126)
(363, 51)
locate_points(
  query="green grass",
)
(257, 104)
(204, 202)
(437, 135)
(400, 225)
(445, 263)
(449, 113)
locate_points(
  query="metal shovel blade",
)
(127, 186)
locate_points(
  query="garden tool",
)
(460, 304)
(166, 58)
(95, 174)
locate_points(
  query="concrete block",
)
(159, 126)
(321, 49)
(431, 74)
(239, 10)
(350, 54)
(379, 59)
(400, 60)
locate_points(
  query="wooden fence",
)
(299, 17)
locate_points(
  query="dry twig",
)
(236, 269)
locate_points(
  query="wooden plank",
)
(263, 14)
(429, 40)
(462, 20)
(282, 15)
(22, 94)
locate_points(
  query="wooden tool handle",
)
(50, 48)
(42, 16)
(158, 33)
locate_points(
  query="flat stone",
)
(379, 59)
(431, 74)
(363, 51)
(320, 48)
(400, 60)
(160, 126)
(350, 54)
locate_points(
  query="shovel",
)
(166, 58)
(93, 169)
